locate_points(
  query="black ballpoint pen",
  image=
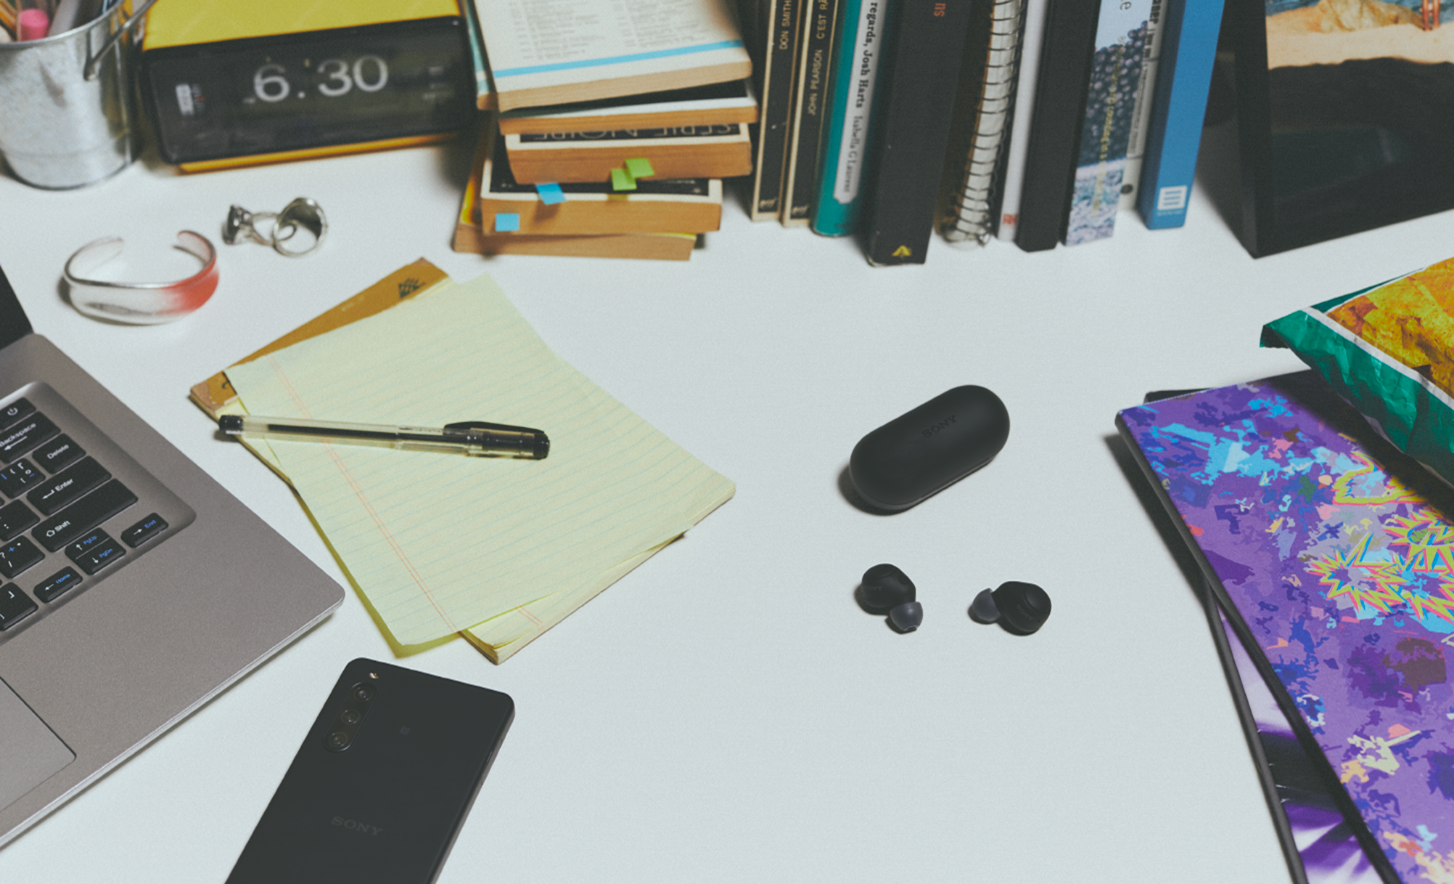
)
(468, 437)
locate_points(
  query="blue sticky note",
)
(550, 194)
(639, 168)
(507, 222)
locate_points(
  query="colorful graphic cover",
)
(1105, 133)
(1331, 555)
(1317, 839)
(1389, 350)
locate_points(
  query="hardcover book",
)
(718, 104)
(1332, 556)
(815, 66)
(850, 117)
(1179, 107)
(917, 96)
(675, 152)
(779, 30)
(504, 205)
(544, 54)
(1053, 138)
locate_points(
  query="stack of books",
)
(609, 135)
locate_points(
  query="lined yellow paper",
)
(446, 543)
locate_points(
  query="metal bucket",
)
(67, 105)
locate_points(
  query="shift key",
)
(83, 515)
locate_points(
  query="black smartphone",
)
(382, 783)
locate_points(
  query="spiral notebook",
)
(977, 150)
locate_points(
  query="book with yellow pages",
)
(439, 545)
(594, 49)
(687, 205)
(675, 152)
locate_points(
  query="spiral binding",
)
(969, 220)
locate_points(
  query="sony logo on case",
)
(934, 428)
(356, 826)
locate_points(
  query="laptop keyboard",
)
(74, 507)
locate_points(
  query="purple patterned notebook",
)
(1339, 580)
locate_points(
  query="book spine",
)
(973, 171)
(1054, 136)
(1106, 127)
(845, 153)
(1019, 134)
(1175, 134)
(817, 38)
(1141, 115)
(928, 47)
(776, 93)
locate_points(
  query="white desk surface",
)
(727, 712)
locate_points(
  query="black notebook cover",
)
(927, 39)
(1054, 145)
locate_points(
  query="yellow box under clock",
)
(230, 84)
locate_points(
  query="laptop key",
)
(25, 435)
(18, 555)
(57, 454)
(96, 557)
(61, 489)
(83, 515)
(57, 583)
(15, 518)
(16, 410)
(144, 530)
(17, 477)
(15, 605)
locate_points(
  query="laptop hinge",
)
(13, 324)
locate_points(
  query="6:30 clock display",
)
(346, 86)
(369, 73)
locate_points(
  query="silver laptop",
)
(130, 583)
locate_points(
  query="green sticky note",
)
(639, 168)
(622, 180)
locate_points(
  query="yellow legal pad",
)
(498, 550)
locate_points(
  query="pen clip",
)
(466, 426)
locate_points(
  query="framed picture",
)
(1345, 110)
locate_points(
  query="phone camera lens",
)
(351, 716)
(337, 740)
(363, 693)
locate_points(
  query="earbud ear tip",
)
(907, 617)
(984, 609)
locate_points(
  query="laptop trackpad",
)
(32, 753)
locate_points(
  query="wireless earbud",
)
(887, 590)
(1020, 608)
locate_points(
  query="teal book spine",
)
(845, 142)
